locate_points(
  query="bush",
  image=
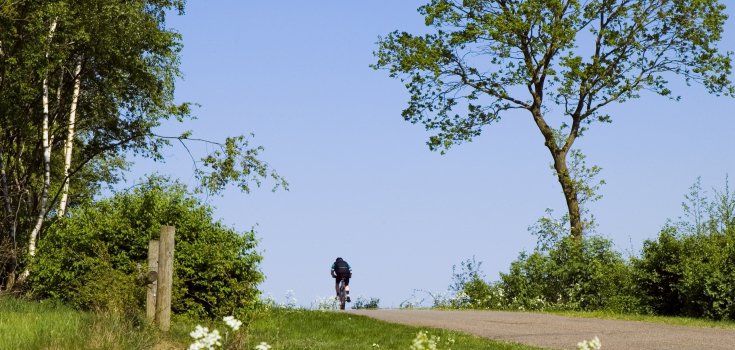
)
(362, 302)
(91, 258)
(689, 270)
(689, 275)
(584, 275)
(566, 275)
(469, 290)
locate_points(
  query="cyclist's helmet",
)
(339, 259)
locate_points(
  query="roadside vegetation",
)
(670, 320)
(45, 325)
(686, 272)
(95, 257)
(313, 329)
(73, 106)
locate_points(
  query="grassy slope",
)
(40, 326)
(679, 321)
(308, 329)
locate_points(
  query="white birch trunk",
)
(70, 138)
(46, 163)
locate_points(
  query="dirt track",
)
(562, 332)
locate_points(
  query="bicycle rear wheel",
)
(342, 296)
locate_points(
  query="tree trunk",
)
(560, 165)
(13, 259)
(570, 194)
(46, 164)
(6, 197)
(70, 138)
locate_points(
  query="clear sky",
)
(364, 185)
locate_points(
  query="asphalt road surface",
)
(561, 332)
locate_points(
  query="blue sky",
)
(364, 185)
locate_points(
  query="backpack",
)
(341, 268)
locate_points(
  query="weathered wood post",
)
(152, 277)
(165, 277)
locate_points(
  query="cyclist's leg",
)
(336, 286)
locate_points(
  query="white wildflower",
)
(233, 322)
(423, 342)
(593, 344)
(262, 346)
(204, 339)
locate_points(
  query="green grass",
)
(678, 321)
(51, 326)
(46, 325)
(310, 329)
(611, 315)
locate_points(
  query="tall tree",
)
(111, 66)
(580, 55)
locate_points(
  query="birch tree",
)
(112, 67)
(487, 57)
(47, 141)
(70, 138)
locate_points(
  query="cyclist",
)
(341, 270)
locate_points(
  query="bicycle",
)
(342, 293)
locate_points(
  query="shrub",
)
(362, 302)
(88, 258)
(562, 274)
(566, 274)
(689, 275)
(578, 275)
(689, 269)
(469, 290)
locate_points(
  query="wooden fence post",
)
(165, 277)
(150, 302)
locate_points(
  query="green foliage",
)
(487, 57)
(689, 269)
(233, 162)
(361, 302)
(126, 61)
(501, 55)
(97, 250)
(126, 90)
(569, 275)
(586, 275)
(470, 289)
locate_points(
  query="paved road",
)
(562, 332)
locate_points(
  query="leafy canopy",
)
(498, 55)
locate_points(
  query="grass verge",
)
(670, 320)
(611, 315)
(288, 329)
(47, 325)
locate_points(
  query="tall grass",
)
(49, 325)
